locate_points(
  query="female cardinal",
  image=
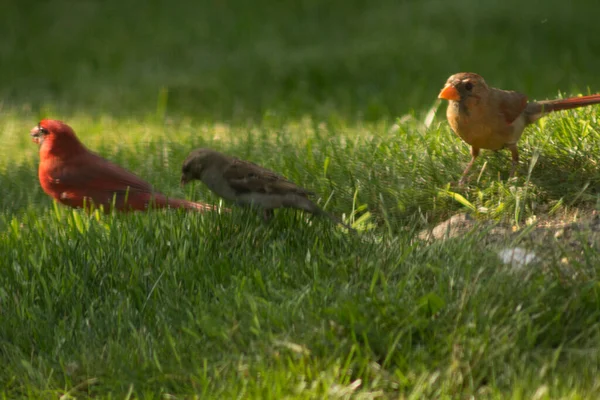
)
(247, 184)
(489, 118)
(76, 177)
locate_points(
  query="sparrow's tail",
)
(319, 211)
(338, 221)
(304, 203)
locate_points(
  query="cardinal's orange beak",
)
(449, 92)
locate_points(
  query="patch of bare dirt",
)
(565, 239)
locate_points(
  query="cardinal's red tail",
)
(160, 201)
(571, 102)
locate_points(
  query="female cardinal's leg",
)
(515, 158)
(474, 155)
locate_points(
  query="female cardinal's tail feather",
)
(571, 102)
(537, 109)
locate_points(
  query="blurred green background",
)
(235, 60)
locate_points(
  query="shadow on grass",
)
(573, 180)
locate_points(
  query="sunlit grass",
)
(340, 98)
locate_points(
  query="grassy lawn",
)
(338, 96)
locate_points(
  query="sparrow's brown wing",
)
(247, 177)
(511, 104)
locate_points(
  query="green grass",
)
(335, 96)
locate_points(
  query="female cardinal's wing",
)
(511, 104)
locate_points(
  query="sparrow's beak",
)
(184, 181)
(36, 135)
(449, 92)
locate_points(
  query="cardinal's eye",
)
(469, 86)
(42, 130)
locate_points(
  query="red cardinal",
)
(75, 176)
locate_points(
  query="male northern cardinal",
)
(247, 184)
(489, 118)
(75, 176)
